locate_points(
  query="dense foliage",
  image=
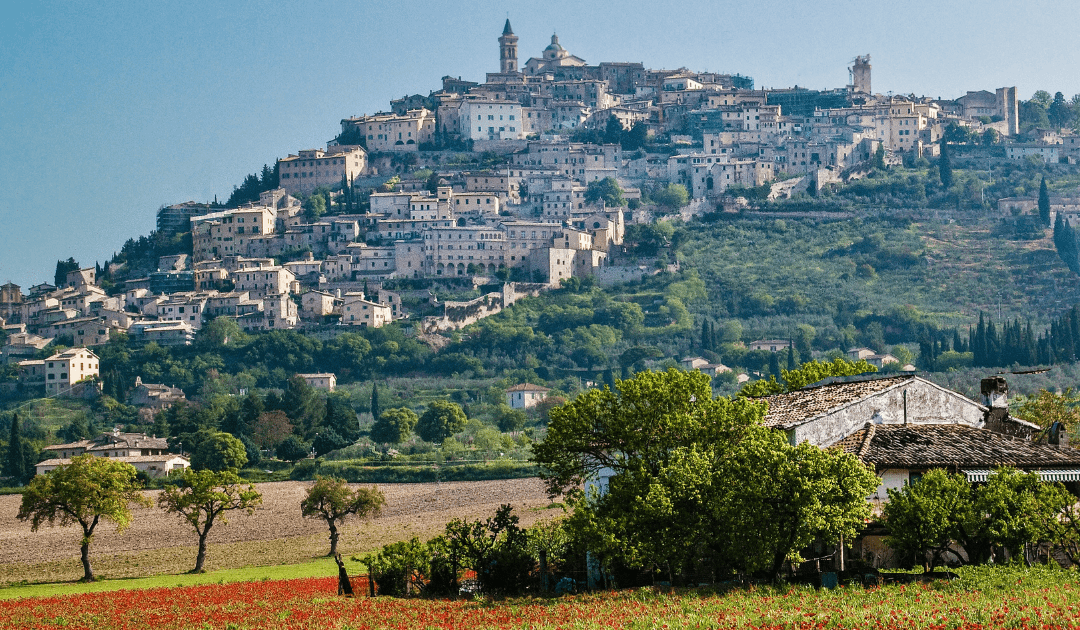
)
(695, 484)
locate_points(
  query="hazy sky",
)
(110, 109)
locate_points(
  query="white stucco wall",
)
(926, 404)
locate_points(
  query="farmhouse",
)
(525, 395)
(902, 426)
(148, 454)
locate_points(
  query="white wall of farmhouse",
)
(926, 404)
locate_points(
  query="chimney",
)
(1057, 435)
(995, 392)
(995, 395)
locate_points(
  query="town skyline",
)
(123, 104)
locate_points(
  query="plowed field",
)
(158, 542)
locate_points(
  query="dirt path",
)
(158, 542)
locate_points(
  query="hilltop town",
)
(503, 188)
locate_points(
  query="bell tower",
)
(508, 50)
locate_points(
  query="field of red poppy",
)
(982, 598)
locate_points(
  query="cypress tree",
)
(791, 358)
(609, 379)
(945, 167)
(1044, 203)
(774, 365)
(978, 348)
(1065, 243)
(376, 410)
(706, 342)
(15, 461)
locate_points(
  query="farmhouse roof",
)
(793, 408)
(527, 387)
(106, 441)
(951, 445)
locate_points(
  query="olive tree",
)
(203, 498)
(330, 499)
(85, 491)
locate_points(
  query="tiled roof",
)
(951, 445)
(527, 387)
(106, 441)
(792, 408)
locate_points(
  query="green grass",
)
(324, 567)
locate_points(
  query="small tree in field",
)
(331, 500)
(85, 491)
(202, 499)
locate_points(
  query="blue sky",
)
(109, 110)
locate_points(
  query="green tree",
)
(327, 440)
(17, 461)
(203, 498)
(613, 130)
(330, 499)
(394, 426)
(304, 405)
(807, 374)
(777, 499)
(85, 491)
(1045, 408)
(606, 190)
(636, 137)
(62, 269)
(677, 462)
(314, 206)
(341, 417)
(441, 420)
(293, 449)
(1059, 112)
(672, 196)
(508, 419)
(1044, 203)
(924, 517)
(945, 166)
(221, 451)
(879, 157)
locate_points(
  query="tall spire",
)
(508, 50)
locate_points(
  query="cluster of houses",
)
(270, 265)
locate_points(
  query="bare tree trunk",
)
(333, 537)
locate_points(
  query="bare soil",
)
(158, 542)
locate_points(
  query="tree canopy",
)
(203, 498)
(83, 492)
(606, 190)
(330, 499)
(221, 451)
(807, 374)
(682, 467)
(672, 196)
(441, 420)
(394, 426)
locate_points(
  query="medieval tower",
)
(860, 75)
(508, 50)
